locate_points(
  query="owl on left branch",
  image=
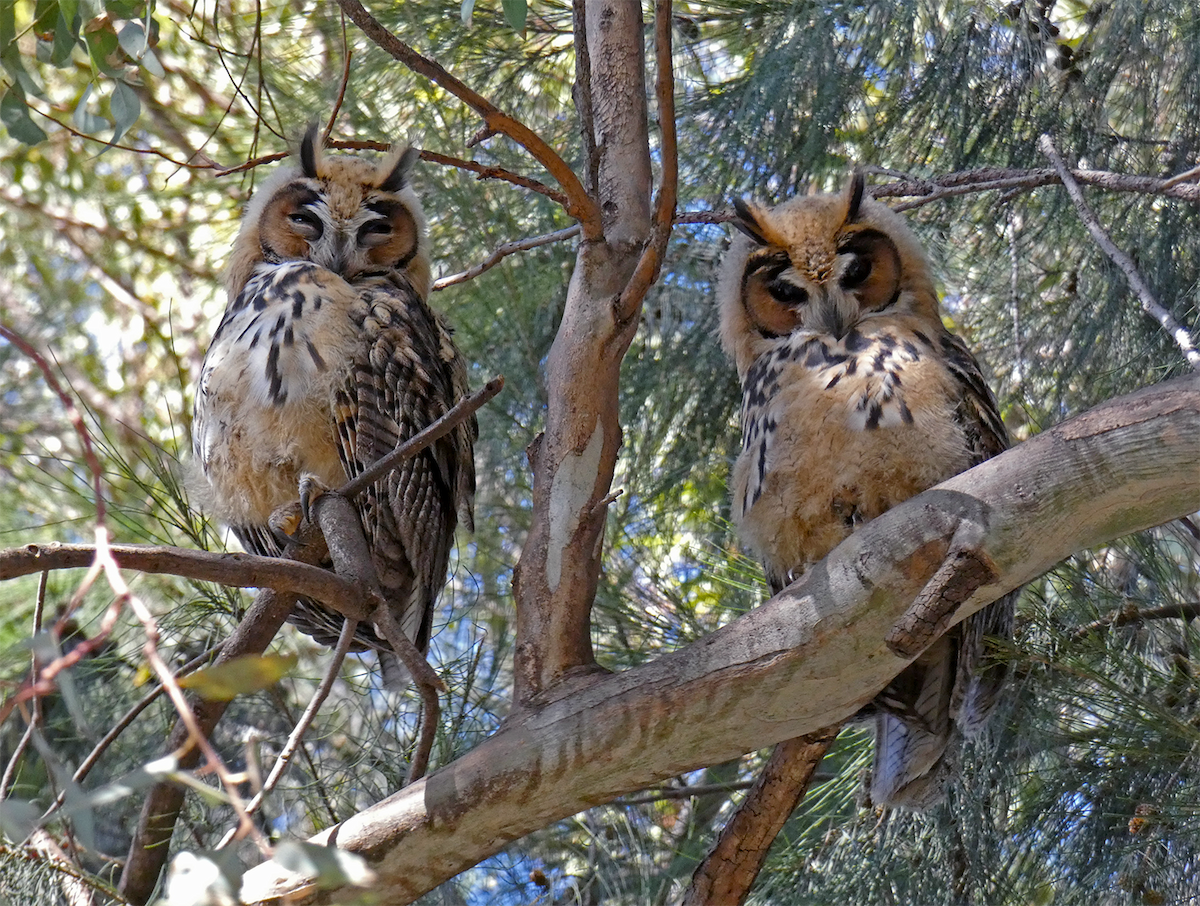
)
(327, 357)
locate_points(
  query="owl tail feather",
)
(394, 674)
(913, 731)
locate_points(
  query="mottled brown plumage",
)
(855, 397)
(326, 358)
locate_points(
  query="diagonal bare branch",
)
(580, 205)
(1150, 304)
(807, 659)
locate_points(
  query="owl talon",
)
(284, 523)
(311, 489)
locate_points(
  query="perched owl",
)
(326, 358)
(855, 397)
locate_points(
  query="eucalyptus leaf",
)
(84, 119)
(514, 13)
(468, 7)
(125, 108)
(15, 116)
(239, 676)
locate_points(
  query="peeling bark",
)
(807, 659)
(555, 580)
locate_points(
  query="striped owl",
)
(856, 397)
(326, 358)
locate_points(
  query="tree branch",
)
(728, 872)
(807, 659)
(579, 205)
(1150, 304)
(502, 252)
(989, 179)
(1132, 615)
(573, 464)
(651, 260)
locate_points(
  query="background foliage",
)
(116, 219)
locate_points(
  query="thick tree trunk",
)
(807, 659)
(573, 464)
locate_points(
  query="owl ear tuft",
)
(396, 168)
(310, 150)
(854, 194)
(747, 220)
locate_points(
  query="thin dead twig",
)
(458, 413)
(579, 205)
(89, 453)
(482, 171)
(1150, 304)
(339, 523)
(345, 640)
(502, 252)
(196, 735)
(1133, 615)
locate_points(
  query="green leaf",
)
(101, 44)
(84, 119)
(69, 9)
(239, 676)
(125, 108)
(11, 61)
(132, 39)
(15, 116)
(514, 13)
(65, 38)
(8, 25)
(468, 7)
(153, 66)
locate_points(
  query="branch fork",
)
(965, 569)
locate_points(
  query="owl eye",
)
(306, 223)
(856, 272)
(375, 233)
(787, 293)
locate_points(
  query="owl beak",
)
(829, 316)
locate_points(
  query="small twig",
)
(458, 413)
(1150, 304)
(10, 769)
(1185, 176)
(337, 105)
(1131, 614)
(428, 685)
(89, 454)
(345, 640)
(482, 171)
(684, 792)
(339, 523)
(502, 252)
(150, 649)
(987, 179)
(651, 260)
(579, 204)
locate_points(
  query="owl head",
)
(819, 263)
(349, 215)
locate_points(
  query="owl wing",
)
(954, 685)
(405, 374)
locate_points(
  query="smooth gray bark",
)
(806, 659)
